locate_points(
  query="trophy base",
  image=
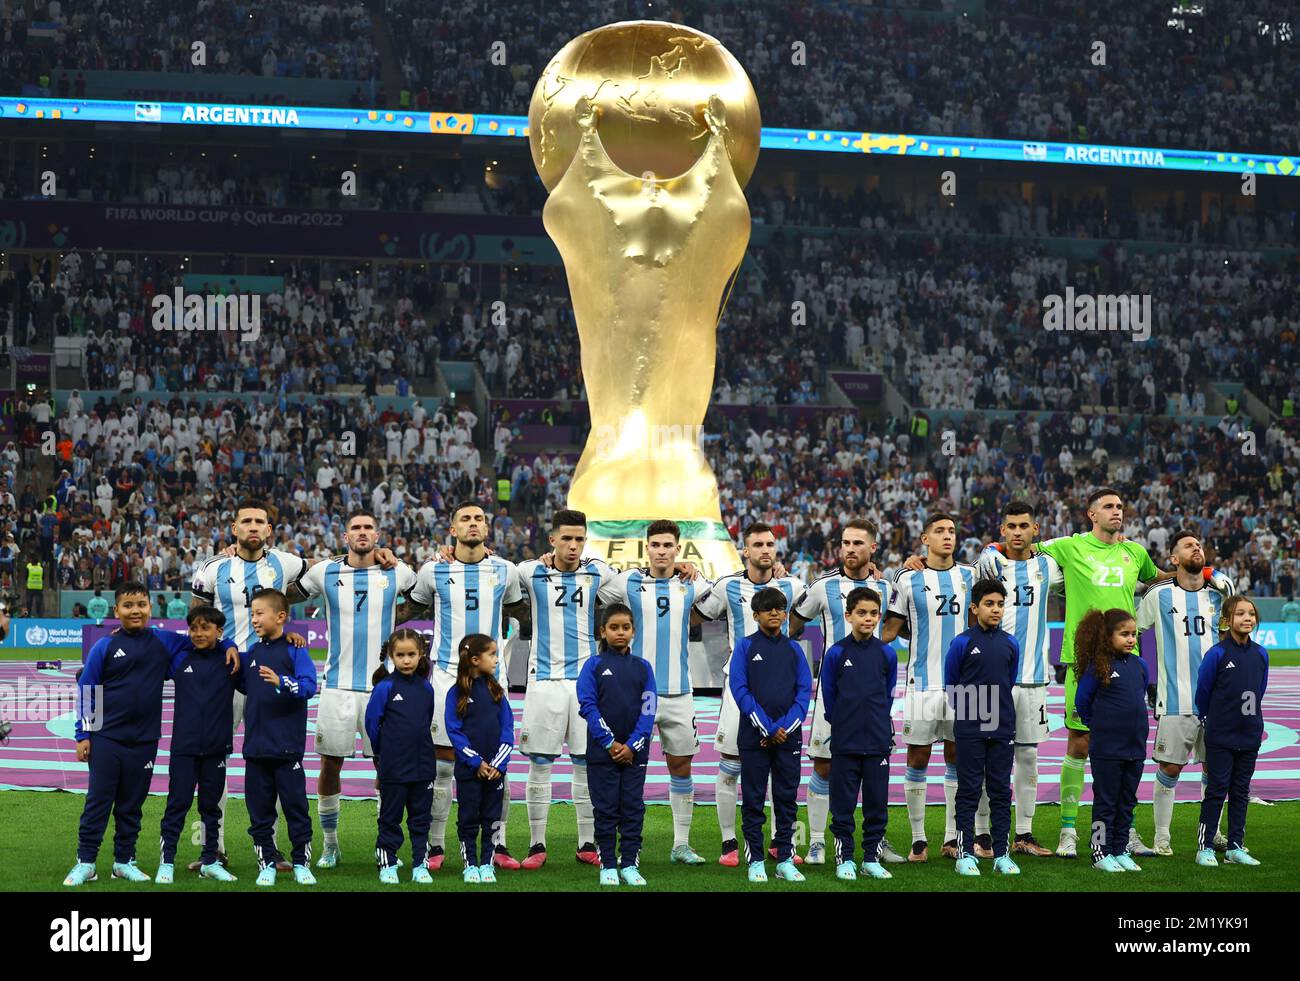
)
(622, 545)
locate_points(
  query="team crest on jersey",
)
(1126, 558)
(678, 587)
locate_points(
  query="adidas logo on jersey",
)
(397, 698)
(1114, 674)
(974, 650)
(120, 653)
(884, 762)
(189, 670)
(848, 663)
(297, 766)
(1229, 665)
(606, 672)
(149, 765)
(221, 765)
(757, 657)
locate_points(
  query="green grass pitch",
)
(38, 857)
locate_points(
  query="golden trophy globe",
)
(645, 133)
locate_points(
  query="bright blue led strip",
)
(516, 127)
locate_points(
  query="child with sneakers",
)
(481, 727)
(979, 673)
(1111, 699)
(771, 683)
(119, 723)
(618, 700)
(202, 738)
(278, 679)
(858, 678)
(1230, 698)
(400, 714)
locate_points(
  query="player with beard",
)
(468, 592)
(361, 600)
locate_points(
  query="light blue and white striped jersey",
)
(564, 616)
(825, 598)
(229, 584)
(730, 597)
(935, 603)
(1025, 614)
(360, 613)
(465, 598)
(1186, 625)
(661, 618)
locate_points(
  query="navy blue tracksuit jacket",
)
(617, 698)
(979, 671)
(1116, 714)
(1230, 699)
(202, 737)
(399, 717)
(771, 684)
(275, 738)
(858, 678)
(119, 709)
(484, 734)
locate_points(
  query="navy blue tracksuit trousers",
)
(852, 773)
(478, 817)
(267, 779)
(1114, 796)
(415, 799)
(119, 783)
(985, 763)
(618, 807)
(1227, 774)
(783, 765)
(185, 772)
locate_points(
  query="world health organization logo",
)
(37, 636)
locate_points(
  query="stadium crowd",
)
(1221, 75)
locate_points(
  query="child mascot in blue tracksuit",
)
(400, 715)
(119, 723)
(978, 673)
(203, 727)
(278, 680)
(771, 683)
(1230, 698)
(1111, 700)
(858, 678)
(481, 727)
(617, 699)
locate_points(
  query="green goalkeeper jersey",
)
(1097, 577)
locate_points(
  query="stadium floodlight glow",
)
(516, 127)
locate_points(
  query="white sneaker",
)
(887, 853)
(1067, 847)
(816, 855)
(1163, 847)
(1136, 845)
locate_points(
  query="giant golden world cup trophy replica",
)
(645, 133)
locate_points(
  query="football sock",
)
(681, 797)
(725, 795)
(441, 804)
(539, 798)
(914, 792)
(949, 801)
(1163, 802)
(327, 807)
(1071, 789)
(582, 801)
(819, 805)
(1026, 786)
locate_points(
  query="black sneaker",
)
(983, 846)
(730, 856)
(536, 857)
(221, 860)
(587, 853)
(920, 852)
